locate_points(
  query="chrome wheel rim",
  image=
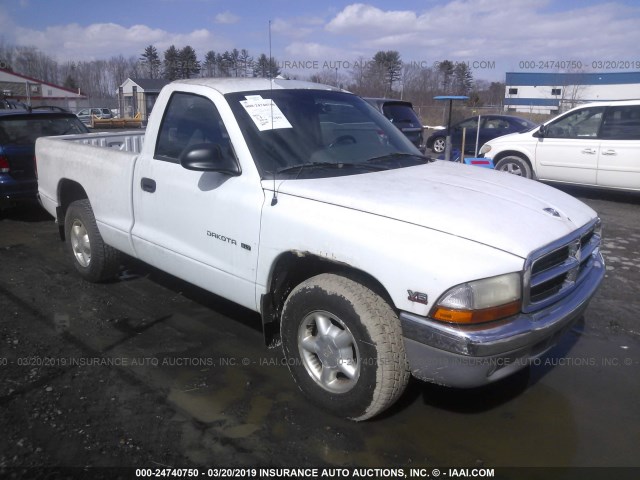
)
(329, 352)
(80, 244)
(513, 169)
(438, 145)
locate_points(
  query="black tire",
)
(439, 144)
(343, 345)
(92, 258)
(515, 165)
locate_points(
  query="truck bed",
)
(103, 165)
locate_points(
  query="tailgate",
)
(21, 162)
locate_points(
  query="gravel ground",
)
(148, 372)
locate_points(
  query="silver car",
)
(87, 113)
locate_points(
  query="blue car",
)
(491, 126)
(19, 130)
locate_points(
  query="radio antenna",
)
(274, 199)
(270, 57)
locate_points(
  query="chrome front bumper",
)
(471, 356)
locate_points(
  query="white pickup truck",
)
(367, 262)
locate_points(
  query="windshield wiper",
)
(312, 165)
(391, 156)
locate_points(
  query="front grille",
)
(555, 270)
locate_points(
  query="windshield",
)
(25, 129)
(317, 133)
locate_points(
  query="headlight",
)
(486, 148)
(597, 229)
(481, 300)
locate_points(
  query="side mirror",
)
(542, 132)
(208, 157)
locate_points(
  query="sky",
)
(491, 36)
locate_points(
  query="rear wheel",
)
(515, 165)
(92, 258)
(344, 347)
(439, 144)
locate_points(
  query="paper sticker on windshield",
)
(265, 113)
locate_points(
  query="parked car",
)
(87, 113)
(19, 130)
(596, 144)
(491, 126)
(403, 116)
(10, 104)
(53, 108)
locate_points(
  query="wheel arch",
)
(294, 267)
(512, 153)
(68, 192)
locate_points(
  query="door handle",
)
(148, 184)
(590, 151)
(609, 152)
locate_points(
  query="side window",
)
(470, 123)
(583, 123)
(496, 123)
(190, 120)
(621, 123)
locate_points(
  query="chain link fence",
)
(437, 115)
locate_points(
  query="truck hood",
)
(493, 208)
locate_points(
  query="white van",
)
(596, 144)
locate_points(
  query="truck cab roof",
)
(233, 85)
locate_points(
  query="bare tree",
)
(569, 90)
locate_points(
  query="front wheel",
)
(515, 165)
(343, 345)
(92, 258)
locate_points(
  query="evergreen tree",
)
(462, 79)
(223, 62)
(234, 62)
(151, 61)
(189, 66)
(265, 67)
(390, 65)
(446, 70)
(70, 83)
(171, 63)
(246, 63)
(209, 65)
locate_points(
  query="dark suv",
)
(403, 116)
(19, 130)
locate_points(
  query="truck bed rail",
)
(124, 141)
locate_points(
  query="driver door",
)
(200, 226)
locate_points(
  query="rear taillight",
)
(35, 166)
(4, 165)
